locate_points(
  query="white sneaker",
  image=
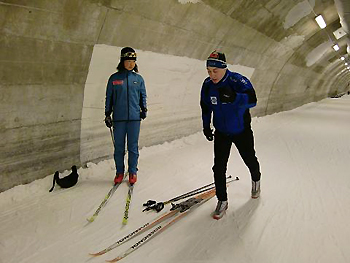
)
(256, 189)
(220, 209)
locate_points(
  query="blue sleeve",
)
(205, 106)
(143, 95)
(109, 98)
(246, 97)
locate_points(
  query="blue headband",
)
(215, 63)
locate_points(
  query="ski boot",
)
(255, 189)
(132, 178)
(220, 209)
(118, 178)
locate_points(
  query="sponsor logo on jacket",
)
(118, 82)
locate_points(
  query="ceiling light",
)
(320, 21)
(342, 58)
(346, 63)
(339, 33)
(336, 47)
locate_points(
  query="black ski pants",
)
(244, 143)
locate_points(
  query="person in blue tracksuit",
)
(126, 100)
(227, 97)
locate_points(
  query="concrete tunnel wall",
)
(50, 118)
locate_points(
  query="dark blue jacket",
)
(229, 101)
(125, 96)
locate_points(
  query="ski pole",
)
(193, 191)
(159, 206)
(152, 202)
(153, 205)
(110, 129)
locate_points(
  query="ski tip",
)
(114, 260)
(90, 220)
(94, 254)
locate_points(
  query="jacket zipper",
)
(222, 111)
(127, 92)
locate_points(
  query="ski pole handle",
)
(149, 203)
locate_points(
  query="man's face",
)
(129, 64)
(216, 74)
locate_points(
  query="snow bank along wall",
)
(56, 57)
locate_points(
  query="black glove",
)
(208, 133)
(227, 94)
(108, 121)
(143, 114)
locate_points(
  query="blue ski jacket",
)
(229, 101)
(125, 96)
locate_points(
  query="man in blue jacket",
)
(228, 96)
(126, 99)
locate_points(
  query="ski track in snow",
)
(302, 215)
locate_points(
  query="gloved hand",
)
(208, 133)
(108, 121)
(227, 94)
(143, 114)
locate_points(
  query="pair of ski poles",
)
(153, 205)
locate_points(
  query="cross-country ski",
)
(127, 204)
(136, 232)
(180, 210)
(103, 203)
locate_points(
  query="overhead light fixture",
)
(339, 33)
(336, 47)
(320, 21)
(346, 63)
(342, 58)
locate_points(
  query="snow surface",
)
(302, 215)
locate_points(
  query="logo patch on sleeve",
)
(243, 81)
(214, 100)
(117, 82)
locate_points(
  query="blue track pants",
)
(129, 130)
